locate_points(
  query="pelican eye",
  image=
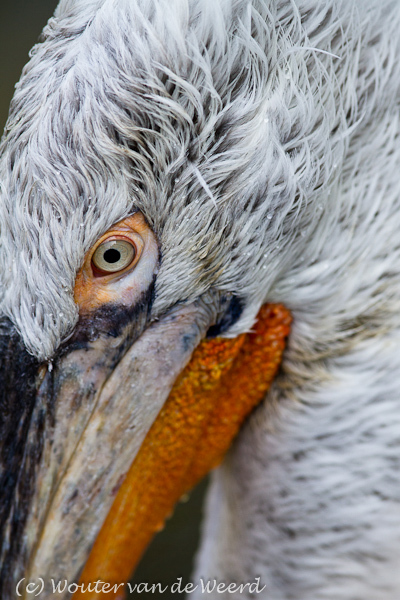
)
(114, 255)
(119, 267)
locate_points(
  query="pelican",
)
(186, 187)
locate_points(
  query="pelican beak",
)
(123, 424)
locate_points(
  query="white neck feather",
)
(309, 496)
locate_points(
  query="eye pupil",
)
(112, 256)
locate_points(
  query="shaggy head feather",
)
(226, 123)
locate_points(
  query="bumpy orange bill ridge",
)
(224, 381)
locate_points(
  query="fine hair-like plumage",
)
(239, 129)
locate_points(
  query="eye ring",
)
(95, 288)
(114, 255)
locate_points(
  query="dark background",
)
(171, 553)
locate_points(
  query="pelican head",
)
(168, 168)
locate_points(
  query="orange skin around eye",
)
(94, 289)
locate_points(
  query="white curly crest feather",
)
(238, 128)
